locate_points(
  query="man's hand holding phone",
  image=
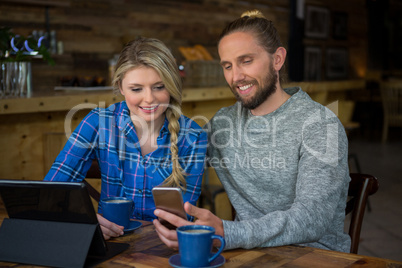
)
(204, 217)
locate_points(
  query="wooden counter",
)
(32, 130)
(65, 100)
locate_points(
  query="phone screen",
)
(169, 199)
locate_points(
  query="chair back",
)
(93, 173)
(360, 187)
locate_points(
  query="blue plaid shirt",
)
(109, 136)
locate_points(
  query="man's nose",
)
(238, 74)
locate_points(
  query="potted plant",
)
(16, 53)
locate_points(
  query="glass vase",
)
(15, 79)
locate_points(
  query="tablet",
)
(47, 201)
(39, 203)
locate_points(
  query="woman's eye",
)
(160, 87)
(136, 89)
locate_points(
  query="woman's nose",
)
(148, 96)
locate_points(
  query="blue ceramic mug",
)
(117, 210)
(195, 245)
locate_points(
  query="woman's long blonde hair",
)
(151, 52)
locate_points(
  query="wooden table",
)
(147, 250)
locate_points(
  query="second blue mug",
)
(195, 245)
(117, 210)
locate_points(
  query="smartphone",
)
(169, 199)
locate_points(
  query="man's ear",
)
(279, 58)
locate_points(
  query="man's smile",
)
(245, 89)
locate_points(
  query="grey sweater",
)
(285, 173)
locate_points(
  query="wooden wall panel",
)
(92, 31)
(101, 28)
(22, 138)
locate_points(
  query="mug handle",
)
(220, 238)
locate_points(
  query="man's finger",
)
(172, 218)
(169, 243)
(167, 236)
(197, 212)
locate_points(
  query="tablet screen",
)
(48, 201)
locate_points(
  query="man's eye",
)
(227, 67)
(247, 61)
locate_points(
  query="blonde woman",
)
(141, 142)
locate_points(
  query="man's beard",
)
(263, 92)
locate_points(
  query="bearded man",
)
(281, 157)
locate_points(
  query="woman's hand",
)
(203, 216)
(109, 229)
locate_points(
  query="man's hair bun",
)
(253, 14)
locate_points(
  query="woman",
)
(141, 142)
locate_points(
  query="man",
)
(281, 157)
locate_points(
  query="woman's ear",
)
(279, 58)
(120, 89)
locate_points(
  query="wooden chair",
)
(360, 187)
(93, 173)
(391, 96)
(209, 192)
